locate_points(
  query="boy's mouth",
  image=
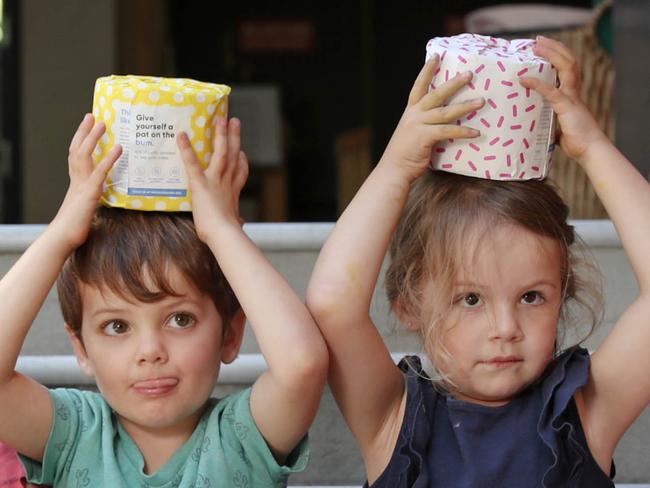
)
(155, 386)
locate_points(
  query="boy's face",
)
(155, 363)
(501, 331)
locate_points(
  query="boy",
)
(150, 317)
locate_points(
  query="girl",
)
(483, 271)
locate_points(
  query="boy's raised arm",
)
(25, 409)
(285, 399)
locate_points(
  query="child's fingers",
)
(191, 162)
(82, 131)
(218, 163)
(421, 85)
(102, 169)
(234, 144)
(241, 174)
(566, 65)
(89, 143)
(453, 112)
(554, 44)
(549, 92)
(435, 98)
(451, 131)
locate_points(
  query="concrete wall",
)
(293, 250)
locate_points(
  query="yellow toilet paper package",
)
(144, 114)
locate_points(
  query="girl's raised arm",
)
(619, 386)
(368, 387)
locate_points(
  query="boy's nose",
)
(504, 324)
(151, 348)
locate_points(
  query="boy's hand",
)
(578, 127)
(76, 212)
(215, 190)
(427, 120)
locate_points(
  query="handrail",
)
(300, 236)
(64, 370)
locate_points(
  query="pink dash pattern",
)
(486, 85)
(471, 165)
(530, 108)
(532, 126)
(471, 116)
(487, 174)
(522, 160)
(479, 69)
(515, 127)
(527, 92)
(508, 160)
(489, 158)
(514, 111)
(471, 85)
(491, 103)
(475, 147)
(508, 142)
(440, 150)
(458, 154)
(501, 66)
(512, 95)
(535, 168)
(447, 165)
(521, 176)
(494, 141)
(506, 83)
(462, 59)
(485, 122)
(500, 122)
(526, 143)
(522, 72)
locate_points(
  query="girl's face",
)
(155, 363)
(500, 334)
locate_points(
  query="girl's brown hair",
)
(130, 253)
(446, 212)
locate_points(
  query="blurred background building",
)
(323, 82)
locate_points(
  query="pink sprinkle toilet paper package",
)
(516, 124)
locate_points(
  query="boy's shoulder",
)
(225, 448)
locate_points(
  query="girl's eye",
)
(181, 320)
(532, 298)
(115, 327)
(470, 300)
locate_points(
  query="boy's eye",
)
(115, 327)
(532, 298)
(470, 300)
(181, 320)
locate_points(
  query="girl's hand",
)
(578, 127)
(215, 190)
(427, 120)
(76, 212)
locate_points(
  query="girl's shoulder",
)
(442, 438)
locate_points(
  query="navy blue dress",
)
(536, 440)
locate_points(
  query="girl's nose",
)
(504, 324)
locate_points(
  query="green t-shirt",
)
(88, 447)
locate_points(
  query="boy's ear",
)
(80, 352)
(233, 337)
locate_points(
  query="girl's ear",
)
(405, 317)
(233, 337)
(80, 352)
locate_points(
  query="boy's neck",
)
(157, 446)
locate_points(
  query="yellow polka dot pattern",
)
(203, 102)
